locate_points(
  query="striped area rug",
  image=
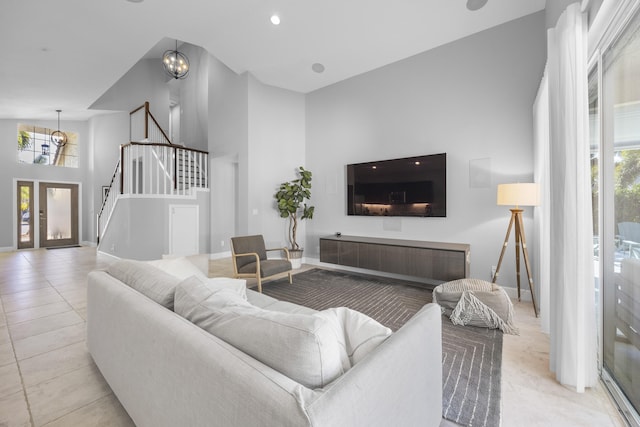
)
(471, 357)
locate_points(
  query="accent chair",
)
(249, 256)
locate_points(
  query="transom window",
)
(36, 146)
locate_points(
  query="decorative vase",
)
(295, 256)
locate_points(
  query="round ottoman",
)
(476, 302)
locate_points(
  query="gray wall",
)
(471, 99)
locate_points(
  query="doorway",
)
(58, 214)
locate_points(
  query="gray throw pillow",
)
(146, 279)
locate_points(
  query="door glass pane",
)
(25, 214)
(59, 213)
(594, 149)
(621, 113)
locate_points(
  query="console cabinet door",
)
(369, 256)
(348, 253)
(329, 251)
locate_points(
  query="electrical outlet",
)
(221, 242)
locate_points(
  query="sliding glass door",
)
(617, 243)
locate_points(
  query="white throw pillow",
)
(357, 333)
(179, 267)
(239, 286)
(301, 346)
(182, 269)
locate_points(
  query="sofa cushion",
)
(146, 279)
(301, 346)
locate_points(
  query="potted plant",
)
(291, 198)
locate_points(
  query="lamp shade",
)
(520, 194)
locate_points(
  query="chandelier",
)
(175, 64)
(58, 137)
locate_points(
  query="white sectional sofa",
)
(166, 371)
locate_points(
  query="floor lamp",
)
(521, 194)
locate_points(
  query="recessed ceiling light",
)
(135, 1)
(275, 19)
(317, 67)
(475, 4)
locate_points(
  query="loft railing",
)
(161, 169)
(153, 169)
(143, 127)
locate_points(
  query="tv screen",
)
(412, 186)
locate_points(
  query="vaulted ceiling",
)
(64, 54)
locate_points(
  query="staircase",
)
(151, 166)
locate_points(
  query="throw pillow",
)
(179, 267)
(146, 279)
(357, 333)
(301, 346)
(182, 268)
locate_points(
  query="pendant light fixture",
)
(175, 64)
(58, 137)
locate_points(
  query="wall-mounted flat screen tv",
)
(412, 186)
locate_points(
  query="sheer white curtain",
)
(542, 213)
(570, 287)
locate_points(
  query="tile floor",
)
(47, 378)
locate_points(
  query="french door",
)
(47, 214)
(58, 214)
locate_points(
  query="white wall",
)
(145, 81)
(276, 150)
(137, 235)
(228, 145)
(256, 141)
(108, 132)
(471, 99)
(194, 99)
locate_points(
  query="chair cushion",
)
(301, 346)
(248, 244)
(476, 302)
(268, 267)
(146, 279)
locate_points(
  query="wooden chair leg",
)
(259, 283)
(290, 279)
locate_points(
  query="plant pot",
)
(295, 256)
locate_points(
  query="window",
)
(35, 146)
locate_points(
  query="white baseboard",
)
(109, 255)
(220, 255)
(90, 244)
(525, 295)
(7, 249)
